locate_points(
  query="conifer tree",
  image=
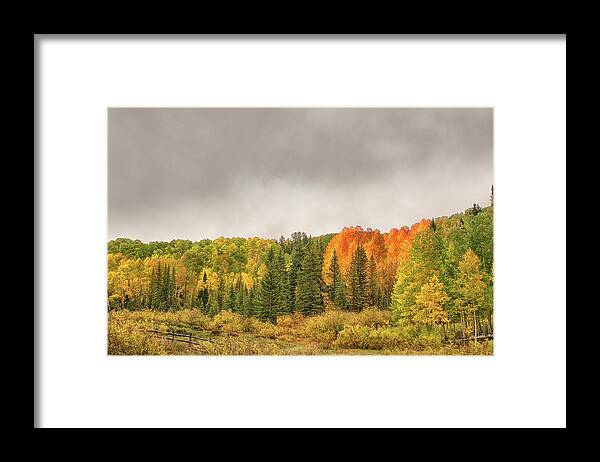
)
(248, 302)
(296, 264)
(212, 307)
(157, 296)
(173, 291)
(358, 280)
(153, 290)
(221, 292)
(239, 296)
(267, 298)
(309, 300)
(166, 289)
(282, 280)
(204, 292)
(337, 290)
(230, 305)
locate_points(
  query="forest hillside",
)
(359, 290)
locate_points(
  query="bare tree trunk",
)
(475, 324)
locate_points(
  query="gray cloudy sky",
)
(210, 172)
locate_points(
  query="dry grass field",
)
(334, 332)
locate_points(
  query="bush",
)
(325, 327)
(126, 337)
(485, 347)
(195, 319)
(372, 338)
(290, 321)
(239, 346)
(229, 322)
(371, 317)
(266, 329)
(427, 341)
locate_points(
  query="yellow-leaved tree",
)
(430, 303)
(471, 289)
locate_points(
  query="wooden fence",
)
(479, 337)
(177, 337)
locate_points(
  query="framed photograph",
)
(309, 222)
(207, 216)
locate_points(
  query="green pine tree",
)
(337, 289)
(309, 300)
(166, 289)
(173, 301)
(157, 295)
(221, 292)
(266, 303)
(247, 304)
(230, 302)
(282, 282)
(153, 289)
(239, 296)
(358, 290)
(204, 291)
(295, 266)
(212, 307)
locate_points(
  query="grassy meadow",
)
(334, 332)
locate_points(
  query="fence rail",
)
(185, 338)
(479, 337)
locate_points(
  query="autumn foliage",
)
(427, 287)
(388, 250)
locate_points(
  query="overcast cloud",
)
(205, 173)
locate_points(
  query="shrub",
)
(371, 317)
(325, 327)
(427, 341)
(125, 337)
(266, 329)
(290, 321)
(229, 322)
(240, 346)
(479, 348)
(195, 319)
(365, 337)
